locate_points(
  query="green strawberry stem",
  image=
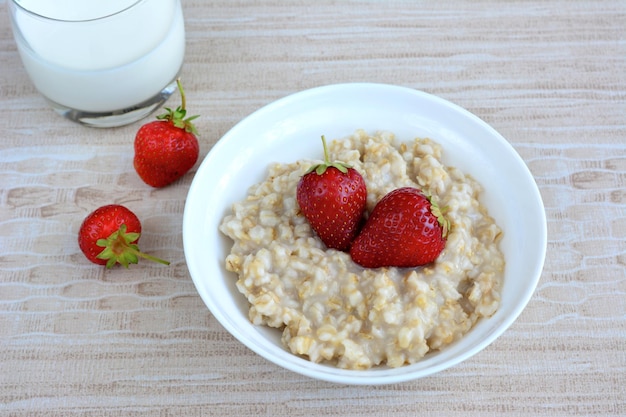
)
(177, 117)
(118, 248)
(326, 154)
(321, 168)
(183, 100)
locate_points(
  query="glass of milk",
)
(101, 63)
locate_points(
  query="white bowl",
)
(288, 130)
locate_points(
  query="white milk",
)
(101, 65)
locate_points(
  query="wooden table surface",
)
(79, 340)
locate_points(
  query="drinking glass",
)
(101, 63)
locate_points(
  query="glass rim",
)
(91, 19)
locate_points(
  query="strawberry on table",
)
(165, 149)
(332, 197)
(405, 229)
(109, 236)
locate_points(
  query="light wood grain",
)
(76, 340)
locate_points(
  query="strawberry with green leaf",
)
(165, 149)
(109, 236)
(405, 229)
(332, 197)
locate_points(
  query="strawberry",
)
(165, 149)
(109, 235)
(405, 229)
(332, 197)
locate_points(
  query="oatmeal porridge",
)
(332, 310)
